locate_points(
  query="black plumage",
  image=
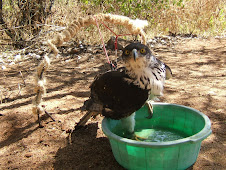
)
(118, 97)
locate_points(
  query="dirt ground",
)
(199, 81)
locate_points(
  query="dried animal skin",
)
(134, 27)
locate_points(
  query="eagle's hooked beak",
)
(135, 54)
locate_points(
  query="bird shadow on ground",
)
(84, 152)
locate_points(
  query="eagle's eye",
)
(127, 52)
(142, 51)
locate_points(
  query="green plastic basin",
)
(172, 155)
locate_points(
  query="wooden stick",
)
(50, 116)
(22, 78)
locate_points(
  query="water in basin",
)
(152, 134)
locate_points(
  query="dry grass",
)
(202, 17)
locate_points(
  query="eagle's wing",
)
(118, 97)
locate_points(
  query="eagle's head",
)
(136, 55)
(144, 69)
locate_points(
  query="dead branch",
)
(22, 78)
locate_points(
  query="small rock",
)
(28, 155)
(81, 47)
(46, 144)
(12, 63)
(3, 67)
(74, 51)
(69, 131)
(79, 57)
(212, 93)
(163, 41)
(17, 57)
(153, 41)
(89, 50)
(35, 56)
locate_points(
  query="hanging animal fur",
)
(39, 89)
(134, 27)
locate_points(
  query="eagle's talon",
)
(150, 109)
(150, 116)
(138, 138)
(77, 127)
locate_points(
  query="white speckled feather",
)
(148, 73)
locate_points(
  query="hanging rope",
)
(116, 35)
(103, 43)
(116, 40)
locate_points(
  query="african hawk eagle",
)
(118, 94)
